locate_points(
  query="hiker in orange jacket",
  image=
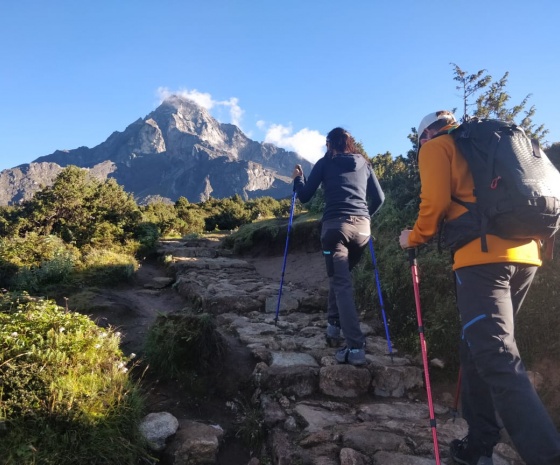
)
(491, 287)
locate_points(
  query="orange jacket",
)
(445, 173)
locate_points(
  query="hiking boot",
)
(354, 357)
(333, 335)
(466, 453)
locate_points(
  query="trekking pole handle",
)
(412, 254)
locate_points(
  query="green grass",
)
(270, 234)
(66, 395)
(188, 348)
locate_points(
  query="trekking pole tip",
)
(454, 414)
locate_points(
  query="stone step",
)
(316, 411)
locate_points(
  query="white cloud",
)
(235, 111)
(205, 100)
(308, 143)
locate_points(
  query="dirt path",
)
(133, 307)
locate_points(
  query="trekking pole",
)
(415, 282)
(374, 261)
(285, 255)
(455, 410)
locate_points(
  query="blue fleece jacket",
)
(351, 188)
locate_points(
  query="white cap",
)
(430, 119)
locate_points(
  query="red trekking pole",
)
(415, 282)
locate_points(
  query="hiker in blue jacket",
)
(352, 195)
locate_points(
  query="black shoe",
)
(466, 453)
(334, 338)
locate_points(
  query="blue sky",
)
(73, 72)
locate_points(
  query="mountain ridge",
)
(177, 150)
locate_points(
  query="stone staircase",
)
(314, 410)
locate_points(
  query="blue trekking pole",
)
(285, 255)
(380, 297)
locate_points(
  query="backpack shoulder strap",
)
(537, 151)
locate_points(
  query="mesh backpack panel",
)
(517, 188)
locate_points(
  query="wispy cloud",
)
(308, 143)
(205, 100)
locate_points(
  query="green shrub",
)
(269, 236)
(107, 267)
(65, 394)
(186, 347)
(538, 321)
(147, 235)
(33, 279)
(32, 262)
(193, 221)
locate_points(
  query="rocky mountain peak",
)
(177, 113)
(177, 150)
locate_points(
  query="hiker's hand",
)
(403, 238)
(297, 172)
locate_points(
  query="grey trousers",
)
(493, 375)
(343, 240)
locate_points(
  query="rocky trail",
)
(311, 410)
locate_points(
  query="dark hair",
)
(342, 141)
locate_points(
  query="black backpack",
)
(517, 188)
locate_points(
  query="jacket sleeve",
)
(306, 187)
(435, 177)
(374, 194)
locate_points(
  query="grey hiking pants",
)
(493, 376)
(343, 241)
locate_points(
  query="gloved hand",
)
(298, 171)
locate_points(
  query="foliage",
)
(147, 235)
(249, 423)
(65, 394)
(107, 267)
(164, 216)
(553, 152)
(33, 262)
(316, 204)
(186, 347)
(226, 214)
(84, 230)
(469, 85)
(270, 235)
(81, 211)
(539, 320)
(492, 99)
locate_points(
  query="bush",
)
(66, 396)
(34, 261)
(147, 235)
(107, 267)
(186, 347)
(269, 236)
